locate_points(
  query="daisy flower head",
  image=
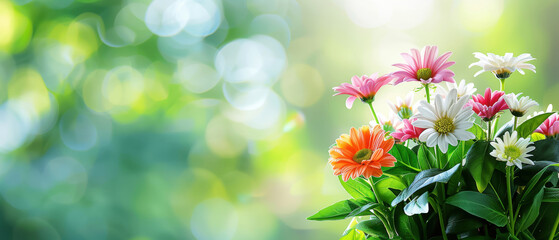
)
(364, 88)
(502, 66)
(388, 124)
(489, 105)
(426, 70)
(408, 131)
(361, 153)
(446, 121)
(462, 89)
(519, 107)
(512, 150)
(403, 108)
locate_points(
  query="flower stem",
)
(441, 220)
(373, 111)
(554, 229)
(502, 80)
(375, 190)
(427, 93)
(510, 177)
(515, 122)
(488, 131)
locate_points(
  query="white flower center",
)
(424, 73)
(444, 125)
(362, 155)
(512, 152)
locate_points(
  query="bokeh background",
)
(211, 119)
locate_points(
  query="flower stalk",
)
(510, 177)
(373, 111)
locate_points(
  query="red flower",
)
(489, 105)
(408, 131)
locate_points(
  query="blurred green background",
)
(211, 119)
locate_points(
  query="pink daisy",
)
(431, 70)
(408, 131)
(364, 88)
(489, 105)
(550, 127)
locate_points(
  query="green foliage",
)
(480, 205)
(343, 209)
(357, 188)
(478, 131)
(373, 227)
(417, 205)
(480, 164)
(529, 126)
(425, 158)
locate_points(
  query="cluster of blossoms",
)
(439, 121)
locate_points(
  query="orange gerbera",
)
(363, 152)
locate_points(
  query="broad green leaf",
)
(354, 234)
(406, 226)
(529, 126)
(478, 131)
(480, 164)
(357, 188)
(551, 195)
(529, 212)
(424, 179)
(350, 226)
(460, 153)
(340, 210)
(537, 136)
(384, 185)
(542, 227)
(535, 185)
(405, 157)
(480, 205)
(373, 227)
(507, 127)
(460, 222)
(425, 158)
(418, 205)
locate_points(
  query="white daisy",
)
(549, 109)
(446, 121)
(503, 66)
(403, 108)
(462, 89)
(389, 124)
(512, 150)
(518, 107)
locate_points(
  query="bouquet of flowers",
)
(434, 170)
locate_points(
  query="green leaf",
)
(363, 209)
(460, 153)
(529, 213)
(406, 227)
(480, 164)
(460, 222)
(418, 205)
(480, 205)
(478, 131)
(507, 127)
(424, 179)
(542, 227)
(354, 234)
(535, 185)
(373, 227)
(405, 156)
(425, 158)
(529, 126)
(384, 185)
(340, 210)
(551, 195)
(357, 188)
(537, 136)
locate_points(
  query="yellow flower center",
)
(512, 152)
(444, 125)
(362, 155)
(502, 73)
(424, 73)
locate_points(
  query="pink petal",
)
(349, 102)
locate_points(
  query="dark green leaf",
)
(372, 227)
(535, 185)
(425, 158)
(418, 205)
(480, 205)
(459, 222)
(480, 164)
(478, 131)
(340, 210)
(507, 127)
(527, 127)
(405, 156)
(357, 188)
(551, 195)
(424, 179)
(542, 227)
(406, 227)
(529, 212)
